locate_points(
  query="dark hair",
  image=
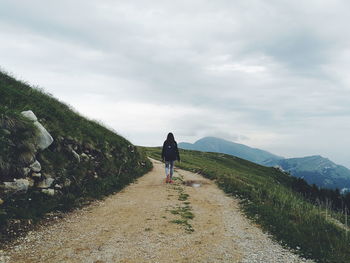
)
(170, 137)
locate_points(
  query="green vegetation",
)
(268, 198)
(188, 227)
(184, 210)
(183, 197)
(58, 118)
(106, 161)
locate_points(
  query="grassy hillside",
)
(85, 161)
(268, 197)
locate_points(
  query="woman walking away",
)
(170, 154)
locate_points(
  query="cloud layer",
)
(270, 74)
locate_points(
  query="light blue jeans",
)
(169, 168)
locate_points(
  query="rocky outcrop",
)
(18, 185)
(35, 167)
(58, 152)
(48, 191)
(46, 183)
(43, 139)
(35, 172)
(27, 167)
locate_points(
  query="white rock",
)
(47, 175)
(48, 191)
(46, 183)
(44, 139)
(76, 156)
(36, 175)
(27, 158)
(36, 167)
(29, 115)
(17, 185)
(26, 171)
(84, 156)
(58, 186)
(31, 182)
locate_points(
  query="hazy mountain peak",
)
(214, 144)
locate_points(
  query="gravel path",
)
(150, 221)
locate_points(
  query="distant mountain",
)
(314, 169)
(213, 144)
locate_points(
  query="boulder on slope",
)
(44, 138)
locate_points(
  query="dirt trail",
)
(146, 222)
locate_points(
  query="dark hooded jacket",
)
(170, 152)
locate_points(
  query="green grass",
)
(116, 161)
(267, 197)
(184, 210)
(188, 227)
(178, 221)
(183, 197)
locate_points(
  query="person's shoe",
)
(171, 181)
(167, 179)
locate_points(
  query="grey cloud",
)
(301, 51)
(262, 69)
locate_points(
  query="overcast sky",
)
(269, 74)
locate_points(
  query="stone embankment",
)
(40, 173)
(28, 169)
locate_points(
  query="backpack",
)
(170, 152)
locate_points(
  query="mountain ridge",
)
(315, 169)
(214, 144)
